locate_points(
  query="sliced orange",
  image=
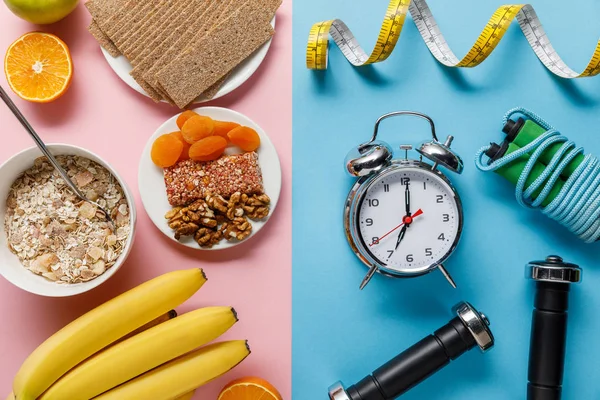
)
(249, 388)
(38, 67)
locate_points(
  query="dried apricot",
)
(184, 116)
(245, 138)
(208, 149)
(222, 128)
(166, 150)
(185, 153)
(196, 128)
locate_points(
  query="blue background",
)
(341, 333)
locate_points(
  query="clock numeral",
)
(424, 185)
(386, 188)
(441, 237)
(375, 240)
(428, 252)
(405, 180)
(390, 252)
(446, 217)
(369, 221)
(373, 202)
(410, 258)
(439, 198)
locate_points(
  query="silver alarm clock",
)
(403, 217)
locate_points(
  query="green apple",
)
(41, 11)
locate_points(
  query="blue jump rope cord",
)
(577, 205)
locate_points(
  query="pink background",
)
(101, 113)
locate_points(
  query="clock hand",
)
(401, 235)
(416, 214)
(407, 199)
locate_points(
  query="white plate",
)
(154, 192)
(239, 75)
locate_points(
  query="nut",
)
(186, 229)
(172, 213)
(257, 206)
(238, 229)
(217, 202)
(206, 237)
(214, 218)
(234, 207)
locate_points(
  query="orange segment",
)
(38, 67)
(249, 388)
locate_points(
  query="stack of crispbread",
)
(182, 49)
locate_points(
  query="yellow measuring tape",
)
(316, 50)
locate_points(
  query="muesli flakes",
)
(57, 235)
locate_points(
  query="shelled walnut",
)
(207, 237)
(257, 206)
(238, 229)
(216, 218)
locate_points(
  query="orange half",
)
(249, 388)
(38, 67)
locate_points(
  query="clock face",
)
(409, 242)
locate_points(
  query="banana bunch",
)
(132, 348)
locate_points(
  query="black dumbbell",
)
(468, 329)
(553, 279)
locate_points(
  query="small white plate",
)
(153, 190)
(239, 75)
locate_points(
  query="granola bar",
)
(191, 180)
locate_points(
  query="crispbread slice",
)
(103, 40)
(121, 19)
(175, 17)
(199, 29)
(226, 10)
(103, 9)
(147, 61)
(159, 32)
(214, 89)
(167, 45)
(152, 53)
(149, 26)
(109, 15)
(201, 65)
(138, 22)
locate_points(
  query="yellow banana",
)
(102, 326)
(156, 321)
(141, 353)
(183, 374)
(187, 396)
(12, 397)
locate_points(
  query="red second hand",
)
(416, 214)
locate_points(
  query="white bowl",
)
(10, 266)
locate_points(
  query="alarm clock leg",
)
(447, 275)
(368, 277)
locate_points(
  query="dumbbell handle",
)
(415, 364)
(548, 340)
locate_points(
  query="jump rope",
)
(550, 172)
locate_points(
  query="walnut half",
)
(257, 206)
(238, 229)
(206, 237)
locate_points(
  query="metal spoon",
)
(50, 157)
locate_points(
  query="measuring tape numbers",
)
(318, 40)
